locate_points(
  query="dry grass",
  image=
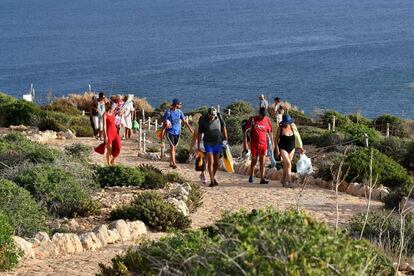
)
(142, 103)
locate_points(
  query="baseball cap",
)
(176, 101)
(212, 111)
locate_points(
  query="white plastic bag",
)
(304, 165)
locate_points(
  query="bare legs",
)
(287, 164)
(262, 159)
(172, 156)
(110, 160)
(212, 165)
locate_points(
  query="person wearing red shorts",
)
(259, 126)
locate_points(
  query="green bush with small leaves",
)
(9, 255)
(78, 151)
(331, 139)
(327, 116)
(23, 212)
(151, 208)
(398, 127)
(119, 176)
(359, 119)
(300, 118)
(239, 108)
(263, 242)
(18, 112)
(398, 149)
(182, 155)
(57, 190)
(234, 128)
(357, 132)
(311, 135)
(195, 197)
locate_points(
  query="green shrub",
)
(50, 123)
(119, 176)
(299, 117)
(19, 112)
(182, 155)
(311, 135)
(240, 108)
(389, 172)
(151, 208)
(357, 132)
(81, 126)
(57, 190)
(78, 151)
(257, 243)
(154, 178)
(9, 256)
(384, 229)
(201, 110)
(234, 128)
(340, 119)
(24, 214)
(195, 198)
(174, 177)
(329, 138)
(359, 119)
(398, 127)
(62, 107)
(398, 149)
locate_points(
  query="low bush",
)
(398, 127)
(359, 119)
(63, 106)
(9, 256)
(234, 128)
(311, 135)
(57, 190)
(151, 208)
(398, 149)
(23, 212)
(389, 172)
(154, 178)
(174, 177)
(119, 176)
(19, 112)
(329, 138)
(257, 243)
(239, 108)
(182, 155)
(200, 110)
(195, 198)
(300, 118)
(341, 120)
(357, 132)
(384, 230)
(79, 151)
(50, 123)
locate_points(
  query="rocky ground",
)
(232, 194)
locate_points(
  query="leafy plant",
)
(78, 151)
(57, 190)
(239, 108)
(263, 242)
(398, 127)
(359, 119)
(119, 176)
(234, 128)
(23, 212)
(300, 118)
(151, 208)
(9, 256)
(340, 119)
(398, 149)
(357, 132)
(311, 135)
(195, 198)
(182, 155)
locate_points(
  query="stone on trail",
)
(137, 228)
(113, 236)
(67, 243)
(90, 242)
(25, 247)
(180, 205)
(42, 236)
(122, 228)
(102, 234)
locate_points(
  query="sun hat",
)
(287, 120)
(212, 111)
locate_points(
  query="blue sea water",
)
(355, 55)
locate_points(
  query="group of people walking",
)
(261, 139)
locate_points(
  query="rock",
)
(384, 192)
(404, 266)
(19, 128)
(137, 228)
(69, 135)
(270, 172)
(180, 205)
(101, 233)
(376, 195)
(25, 247)
(407, 205)
(353, 188)
(113, 236)
(122, 228)
(187, 187)
(363, 191)
(67, 243)
(71, 225)
(343, 186)
(44, 248)
(42, 236)
(90, 242)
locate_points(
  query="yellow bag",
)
(228, 159)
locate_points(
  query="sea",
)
(347, 55)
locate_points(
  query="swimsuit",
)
(287, 143)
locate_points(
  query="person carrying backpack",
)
(172, 126)
(213, 128)
(259, 127)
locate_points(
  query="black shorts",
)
(173, 139)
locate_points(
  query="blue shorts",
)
(214, 149)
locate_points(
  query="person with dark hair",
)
(263, 102)
(276, 110)
(93, 115)
(259, 127)
(172, 128)
(100, 106)
(287, 140)
(213, 130)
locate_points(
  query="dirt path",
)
(232, 194)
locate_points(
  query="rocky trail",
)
(233, 193)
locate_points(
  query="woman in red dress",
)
(112, 142)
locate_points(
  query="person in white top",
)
(127, 112)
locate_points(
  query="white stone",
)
(407, 205)
(269, 173)
(353, 188)
(113, 236)
(42, 236)
(69, 135)
(137, 228)
(18, 128)
(44, 248)
(187, 187)
(180, 205)
(90, 242)
(122, 228)
(25, 247)
(101, 233)
(67, 243)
